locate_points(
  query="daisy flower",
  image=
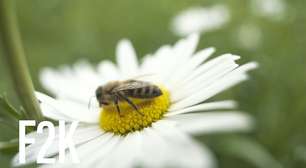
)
(162, 135)
(200, 20)
(271, 9)
(248, 36)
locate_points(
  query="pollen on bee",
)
(129, 119)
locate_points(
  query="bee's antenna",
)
(90, 102)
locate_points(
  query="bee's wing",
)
(131, 84)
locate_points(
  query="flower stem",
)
(14, 54)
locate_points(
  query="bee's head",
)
(100, 96)
(99, 91)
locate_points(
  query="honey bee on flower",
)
(146, 122)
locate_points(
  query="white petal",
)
(227, 104)
(150, 62)
(211, 64)
(69, 83)
(153, 151)
(127, 59)
(78, 111)
(212, 122)
(49, 109)
(165, 146)
(83, 134)
(272, 9)
(125, 154)
(108, 71)
(182, 51)
(66, 110)
(204, 80)
(236, 76)
(186, 69)
(198, 155)
(162, 62)
(186, 48)
(55, 81)
(93, 154)
(203, 76)
(197, 19)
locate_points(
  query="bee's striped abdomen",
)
(147, 92)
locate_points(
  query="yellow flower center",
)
(129, 120)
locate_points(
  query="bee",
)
(119, 91)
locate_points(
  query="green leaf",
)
(7, 110)
(9, 146)
(10, 124)
(248, 150)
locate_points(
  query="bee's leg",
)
(117, 105)
(130, 103)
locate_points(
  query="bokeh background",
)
(58, 32)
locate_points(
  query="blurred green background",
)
(57, 32)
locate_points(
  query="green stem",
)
(14, 54)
